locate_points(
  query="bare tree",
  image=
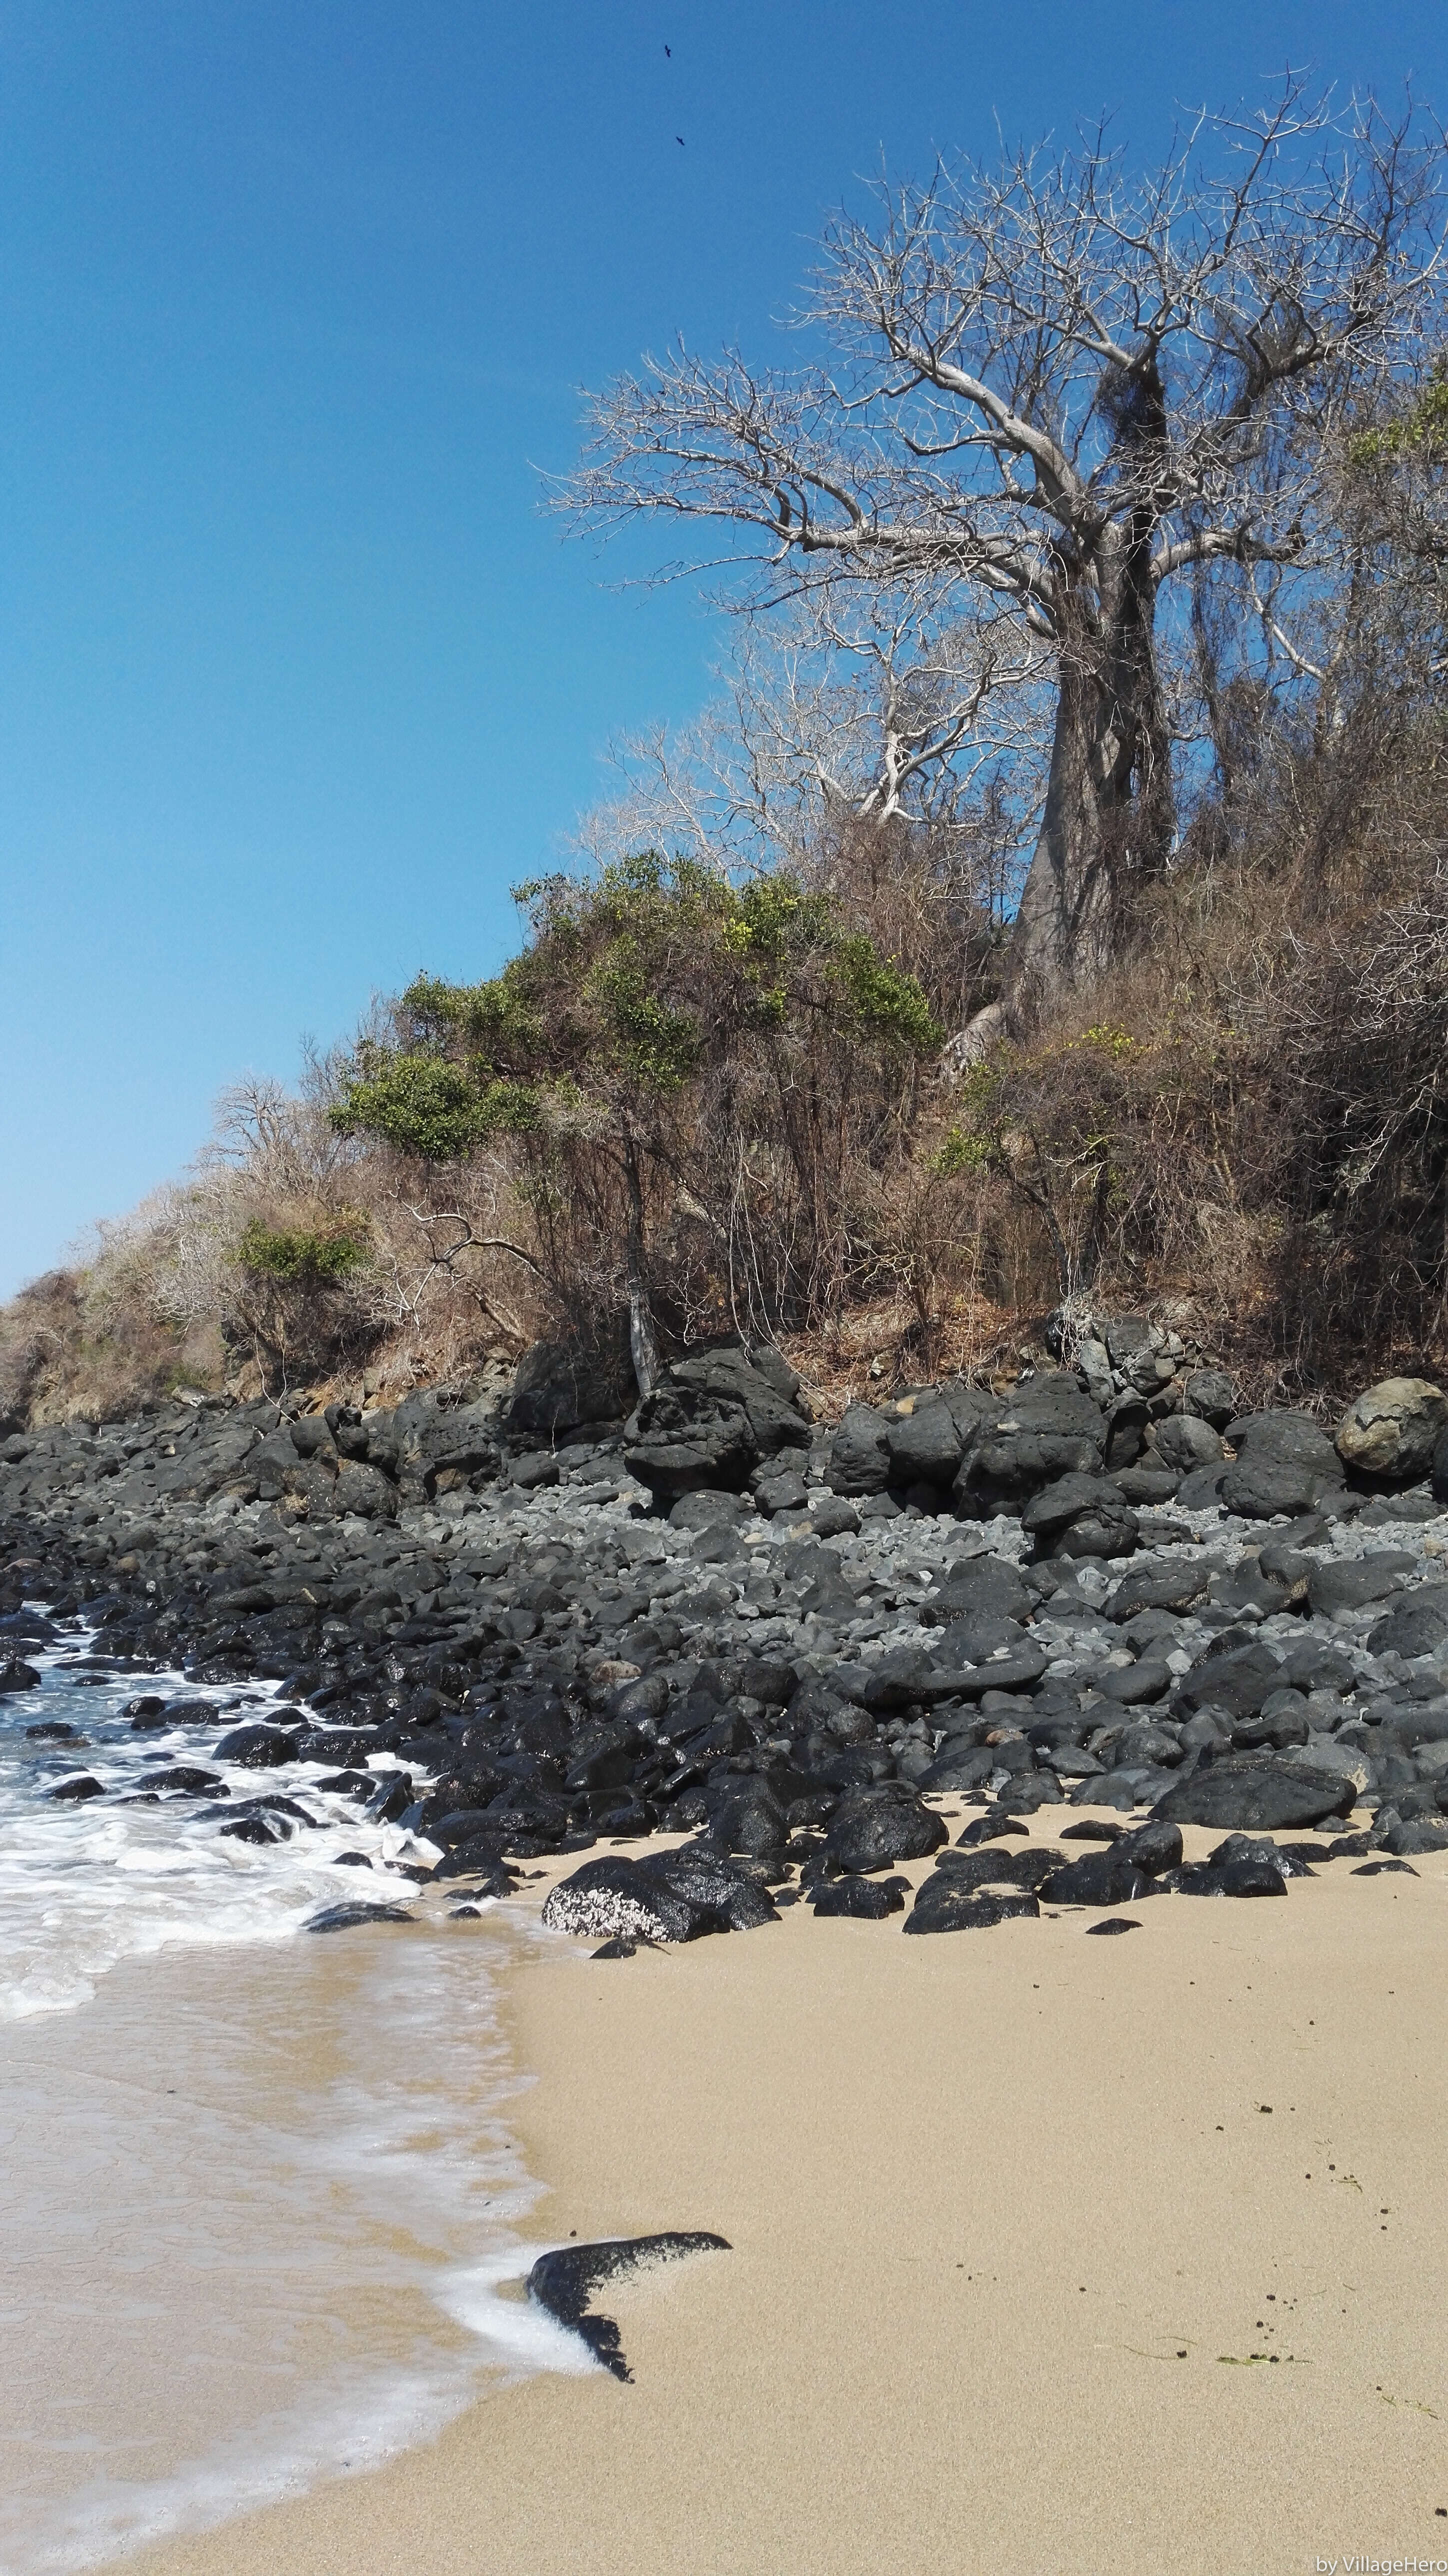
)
(851, 704)
(1054, 389)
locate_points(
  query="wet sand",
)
(1011, 2227)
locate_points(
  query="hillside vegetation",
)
(807, 1048)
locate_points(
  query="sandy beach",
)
(1049, 2253)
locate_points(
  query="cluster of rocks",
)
(531, 1626)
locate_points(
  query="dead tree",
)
(1054, 389)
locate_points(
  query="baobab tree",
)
(1053, 390)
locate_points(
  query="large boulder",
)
(704, 1877)
(558, 1385)
(434, 1442)
(926, 1444)
(667, 1896)
(1185, 1441)
(942, 1906)
(1285, 1463)
(873, 1828)
(860, 1452)
(611, 1899)
(1049, 1428)
(711, 1420)
(1081, 1516)
(1210, 1394)
(763, 1386)
(1108, 1877)
(1244, 1793)
(682, 1440)
(1389, 1433)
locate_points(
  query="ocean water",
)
(260, 2205)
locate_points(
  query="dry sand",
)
(1009, 2222)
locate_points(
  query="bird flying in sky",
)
(678, 138)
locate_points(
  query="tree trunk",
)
(642, 1341)
(1110, 816)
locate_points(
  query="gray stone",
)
(860, 1452)
(925, 1445)
(1132, 1684)
(1210, 1394)
(1355, 1582)
(976, 1588)
(1185, 1442)
(1069, 1498)
(1389, 1432)
(1151, 1586)
(1047, 1429)
(1415, 1626)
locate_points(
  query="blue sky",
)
(294, 679)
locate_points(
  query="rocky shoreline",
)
(523, 1626)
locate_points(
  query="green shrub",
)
(297, 1258)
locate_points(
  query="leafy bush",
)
(682, 1075)
(298, 1258)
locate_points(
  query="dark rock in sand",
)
(1237, 1791)
(1115, 1923)
(991, 1866)
(704, 1877)
(1416, 1834)
(343, 1918)
(564, 2282)
(635, 1901)
(867, 1899)
(873, 1828)
(940, 1907)
(1098, 1878)
(748, 1818)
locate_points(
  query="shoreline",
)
(980, 2195)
